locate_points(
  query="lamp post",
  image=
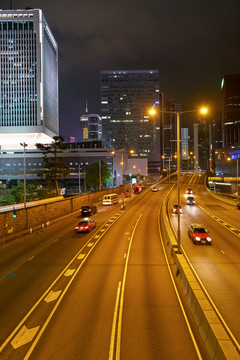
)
(113, 154)
(122, 167)
(202, 111)
(237, 178)
(229, 159)
(79, 179)
(100, 175)
(24, 170)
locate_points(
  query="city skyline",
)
(192, 46)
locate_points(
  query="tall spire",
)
(86, 107)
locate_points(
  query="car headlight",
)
(209, 239)
(197, 238)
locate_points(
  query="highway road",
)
(108, 294)
(217, 265)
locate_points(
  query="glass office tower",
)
(126, 98)
(28, 79)
(230, 88)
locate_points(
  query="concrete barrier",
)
(216, 340)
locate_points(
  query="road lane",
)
(153, 326)
(152, 321)
(218, 265)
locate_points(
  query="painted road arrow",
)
(53, 295)
(24, 336)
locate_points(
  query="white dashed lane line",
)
(228, 226)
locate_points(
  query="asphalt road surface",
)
(108, 294)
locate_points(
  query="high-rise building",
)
(126, 98)
(201, 146)
(170, 130)
(230, 87)
(28, 79)
(90, 127)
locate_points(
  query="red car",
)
(85, 225)
(175, 209)
(126, 195)
(199, 234)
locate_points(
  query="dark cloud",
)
(192, 43)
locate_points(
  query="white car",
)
(154, 188)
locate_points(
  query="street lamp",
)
(24, 170)
(229, 159)
(202, 111)
(122, 167)
(113, 154)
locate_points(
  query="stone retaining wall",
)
(38, 216)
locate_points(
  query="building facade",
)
(169, 140)
(230, 88)
(28, 79)
(90, 127)
(126, 98)
(202, 146)
(78, 159)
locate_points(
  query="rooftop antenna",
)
(86, 107)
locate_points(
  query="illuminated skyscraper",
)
(28, 79)
(90, 127)
(126, 98)
(230, 88)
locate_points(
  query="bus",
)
(110, 199)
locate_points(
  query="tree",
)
(8, 199)
(92, 176)
(18, 192)
(55, 167)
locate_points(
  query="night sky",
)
(192, 43)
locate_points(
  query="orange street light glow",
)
(152, 112)
(203, 110)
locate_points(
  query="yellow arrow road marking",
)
(53, 295)
(24, 336)
(69, 272)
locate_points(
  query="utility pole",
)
(24, 170)
(100, 180)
